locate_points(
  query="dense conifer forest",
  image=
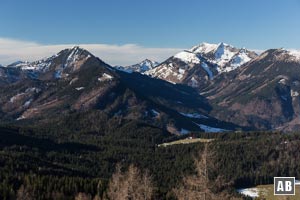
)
(50, 162)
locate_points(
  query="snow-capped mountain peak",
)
(68, 57)
(204, 48)
(224, 53)
(74, 55)
(148, 64)
(56, 66)
(225, 56)
(201, 63)
(187, 57)
(140, 67)
(240, 59)
(295, 54)
(221, 54)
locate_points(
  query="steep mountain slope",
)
(200, 64)
(141, 67)
(57, 66)
(180, 103)
(10, 75)
(74, 84)
(263, 93)
(56, 87)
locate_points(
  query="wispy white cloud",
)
(12, 50)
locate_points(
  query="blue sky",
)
(165, 24)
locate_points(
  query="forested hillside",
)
(42, 165)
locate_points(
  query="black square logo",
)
(284, 185)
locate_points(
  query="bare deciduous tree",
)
(131, 185)
(24, 193)
(83, 196)
(97, 197)
(198, 186)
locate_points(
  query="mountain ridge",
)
(198, 65)
(262, 93)
(140, 67)
(87, 84)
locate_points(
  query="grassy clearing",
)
(266, 192)
(186, 141)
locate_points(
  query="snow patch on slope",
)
(194, 115)
(27, 103)
(33, 89)
(105, 77)
(73, 57)
(294, 93)
(208, 71)
(20, 118)
(16, 97)
(187, 57)
(147, 64)
(204, 48)
(240, 59)
(223, 54)
(184, 131)
(155, 113)
(57, 74)
(251, 192)
(181, 71)
(194, 83)
(166, 72)
(295, 54)
(79, 88)
(209, 129)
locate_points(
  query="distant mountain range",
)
(74, 82)
(211, 87)
(141, 67)
(201, 63)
